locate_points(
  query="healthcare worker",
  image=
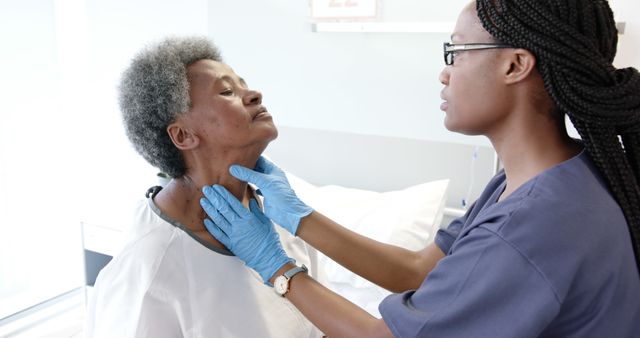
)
(550, 249)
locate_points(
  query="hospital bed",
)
(382, 163)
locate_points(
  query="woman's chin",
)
(449, 124)
(452, 126)
(274, 133)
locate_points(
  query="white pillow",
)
(408, 218)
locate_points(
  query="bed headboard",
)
(382, 163)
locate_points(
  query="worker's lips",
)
(444, 105)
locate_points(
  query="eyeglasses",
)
(450, 49)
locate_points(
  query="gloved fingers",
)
(255, 209)
(264, 166)
(226, 199)
(267, 167)
(217, 232)
(248, 175)
(213, 213)
(219, 203)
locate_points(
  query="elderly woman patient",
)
(188, 114)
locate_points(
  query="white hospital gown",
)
(165, 283)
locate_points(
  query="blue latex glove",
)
(249, 234)
(280, 201)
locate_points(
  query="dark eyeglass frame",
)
(451, 48)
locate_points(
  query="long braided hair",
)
(574, 42)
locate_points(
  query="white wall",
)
(370, 83)
(628, 11)
(382, 84)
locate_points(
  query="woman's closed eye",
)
(227, 92)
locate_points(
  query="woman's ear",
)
(182, 137)
(519, 64)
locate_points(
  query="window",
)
(64, 157)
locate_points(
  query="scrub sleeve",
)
(487, 289)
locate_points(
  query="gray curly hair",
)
(154, 91)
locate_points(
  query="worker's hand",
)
(280, 201)
(249, 234)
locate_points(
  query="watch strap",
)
(293, 271)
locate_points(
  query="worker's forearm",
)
(394, 268)
(332, 314)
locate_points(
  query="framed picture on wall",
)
(344, 10)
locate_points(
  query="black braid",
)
(575, 43)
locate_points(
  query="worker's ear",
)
(182, 136)
(517, 64)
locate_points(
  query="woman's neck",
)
(180, 201)
(530, 151)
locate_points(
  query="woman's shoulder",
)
(568, 187)
(574, 186)
(561, 210)
(148, 232)
(570, 198)
(146, 244)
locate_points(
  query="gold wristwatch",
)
(281, 284)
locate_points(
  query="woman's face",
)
(474, 99)
(225, 114)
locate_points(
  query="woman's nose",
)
(253, 97)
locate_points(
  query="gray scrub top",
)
(554, 259)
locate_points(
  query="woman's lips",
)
(262, 115)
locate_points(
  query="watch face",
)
(281, 284)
